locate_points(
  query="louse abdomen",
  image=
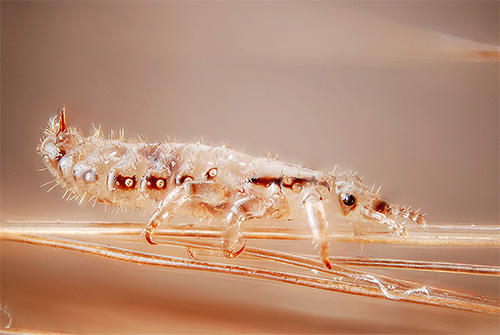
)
(119, 173)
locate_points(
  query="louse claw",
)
(149, 238)
(148, 234)
(231, 254)
(326, 261)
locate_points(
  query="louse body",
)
(206, 181)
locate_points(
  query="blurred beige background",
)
(403, 92)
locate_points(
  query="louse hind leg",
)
(316, 216)
(165, 212)
(275, 205)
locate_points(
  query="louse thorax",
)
(361, 204)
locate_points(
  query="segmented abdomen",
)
(119, 172)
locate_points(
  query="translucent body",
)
(206, 181)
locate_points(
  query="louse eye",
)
(348, 200)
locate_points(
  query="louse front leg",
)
(251, 207)
(316, 216)
(165, 211)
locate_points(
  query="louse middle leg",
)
(251, 207)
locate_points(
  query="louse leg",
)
(165, 211)
(317, 221)
(251, 207)
(231, 237)
(276, 205)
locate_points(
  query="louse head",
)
(358, 203)
(58, 140)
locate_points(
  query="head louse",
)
(203, 180)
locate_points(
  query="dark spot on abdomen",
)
(155, 183)
(288, 182)
(118, 181)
